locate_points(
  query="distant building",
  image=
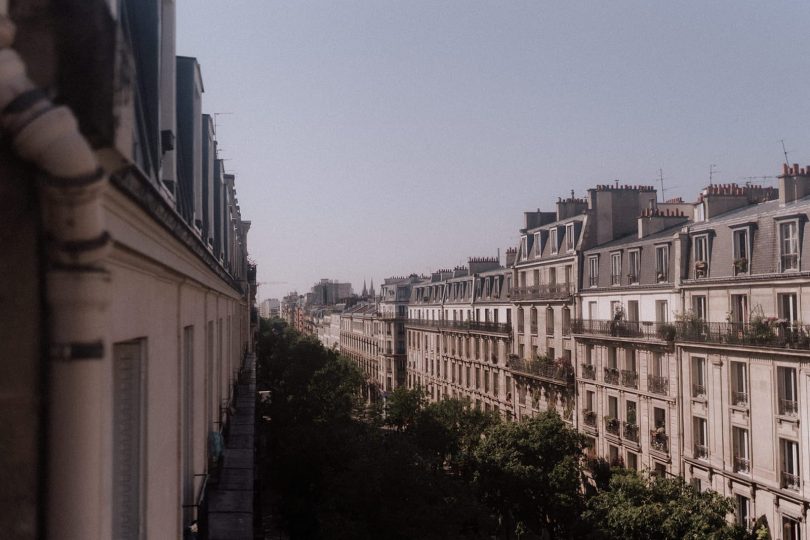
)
(270, 308)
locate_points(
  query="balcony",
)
(742, 464)
(542, 292)
(613, 425)
(611, 375)
(629, 378)
(760, 332)
(659, 440)
(640, 330)
(491, 327)
(658, 385)
(701, 451)
(588, 371)
(791, 481)
(698, 390)
(533, 328)
(739, 399)
(589, 418)
(788, 407)
(630, 432)
(557, 372)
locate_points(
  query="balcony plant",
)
(667, 332)
(700, 268)
(740, 265)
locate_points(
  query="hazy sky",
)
(377, 138)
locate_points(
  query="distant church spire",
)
(371, 289)
(365, 291)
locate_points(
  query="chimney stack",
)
(794, 183)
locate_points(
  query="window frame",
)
(662, 263)
(634, 266)
(738, 267)
(593, 271)
(616, 271)
(794, 222)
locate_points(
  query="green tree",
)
(529, 472)
(640, 507)
(403, 406)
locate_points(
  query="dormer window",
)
(789, 246)
(593, 271)
(662, 264)
(569, 237)
(538, 246)
(524, 254)
(701, 256)
(554, 244)
(634, 264)
(616, 268)
(741, 250)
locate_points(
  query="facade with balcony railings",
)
(627, 372)
(395, 294)
(458, 335)
(360, 331)
(744, 348)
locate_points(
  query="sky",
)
(381, 138)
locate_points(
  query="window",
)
(550, 321)
(495, 384)
(788, 307)
(520, 320)
(662, 264)
(538, 247)
(552, 277)
(699, 306)
(739, 438)
(696, 484)
(632, 461)
(612, 363)
(477, 378)
(700, 436)
(661, 311)
(791, 529)
(634, 263)
(128, 422)
(615, 268)
(741, 251)
(739, 384)
(743, 511)
(613, 455)
(569, 237)
(566, 321)
(701, 256)
(698, 376)
(593, 271)
(789, 457)
(613, 407)
(787, 391)
(789, 245)
(486, 381)
(553, 240)
(632, 310)
(739, 308)
(533, 320)
(523, 247)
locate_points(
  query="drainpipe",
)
(71, 184)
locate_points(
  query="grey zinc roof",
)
(752, 211)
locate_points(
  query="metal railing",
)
(588, 371)
(613, 425)
(765, 332)
(500, 328)
(739, 398)
(698, 390)
(625, 329)
(788, 407)
(701, 451)
(629, 378)
(542, 292)
(741, 464)
(658, 385)
(630, 432)
(659, 440)
(611, 375)
(791, 481)
(589, 418)
(561, 373)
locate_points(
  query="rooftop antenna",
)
(712, 170)
(784, 151)
(617, 183)
(216, 114)
(661, 179)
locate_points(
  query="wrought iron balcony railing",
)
(763, 332)
(644, 330)
(589, 418)
(739, 398)
(500, 328)
(630, 432)
(588, 371)
(701, 451)
(791, 481)
(658, 385)
(788, 407)
(659, 440)
(629, 378)
(613, 425)
(611, 376)
(741, 464)
(542, 292)
(552, 371)
(698, 390)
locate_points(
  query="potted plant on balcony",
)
(700, 268)
(612, 424)
(740, 265)
(667, 332)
